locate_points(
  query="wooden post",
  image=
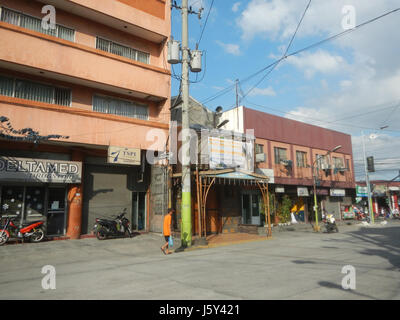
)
(198, 202)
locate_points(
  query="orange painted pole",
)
(74, 212)
(75, 196)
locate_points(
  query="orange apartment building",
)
(100, 78)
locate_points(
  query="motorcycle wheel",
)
(3, 238)
(37, 236)
(101, 234)
(128, 233)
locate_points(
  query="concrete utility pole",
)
(186, 208)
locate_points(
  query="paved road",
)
(293, 265)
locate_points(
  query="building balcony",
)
(31, 52)
(84, 127)
(149, 20)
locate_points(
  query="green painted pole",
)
(186, 209)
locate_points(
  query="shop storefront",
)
(112, 188)
(36, 189)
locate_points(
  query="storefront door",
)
(138, 210)
(56, 211)
(251, 208)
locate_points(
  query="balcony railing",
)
(32, 23)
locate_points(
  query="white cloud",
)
(320, 61)
(230, 48)
(367, 70)
(235, 7)
(263, 92)
(345, 83)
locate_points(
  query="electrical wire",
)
(205, 24)
(227, 89)
(284, 55)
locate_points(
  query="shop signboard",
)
(337, 192)
(228, 153)
(394, 188)
(379, 190)
(279, 190)
(361, 191)
(39, 170)
(121, 155)
(302, 192)
(321, 192)
(267, 172)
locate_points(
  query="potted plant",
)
(284, 209)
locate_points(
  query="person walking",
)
(167, 231)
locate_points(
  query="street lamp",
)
(316, 227)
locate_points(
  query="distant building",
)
(385, 195)
(286, 150)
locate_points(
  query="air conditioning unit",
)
(325, 166)
(261, 157)
(286, 163)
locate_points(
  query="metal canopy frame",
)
(206, 179)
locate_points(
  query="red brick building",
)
(287, 150)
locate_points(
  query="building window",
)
(259, 148)
(280, 155)
(34, 91)
(322, 162)
(301, 159)
(120, 107)
(121, 50)
(32, 23)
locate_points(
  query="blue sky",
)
(349, 85)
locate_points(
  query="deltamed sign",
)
(40, 170)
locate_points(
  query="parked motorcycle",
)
(120, 226)
(330, 223)
(32, 231)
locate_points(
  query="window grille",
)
(34, 91)
(121, 50)
(120, 107)
(301, 158)
(280, 155)
(35, 24)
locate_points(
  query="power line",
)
(227, 89)
(205, 24)
(316, 120)
(285, 53)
